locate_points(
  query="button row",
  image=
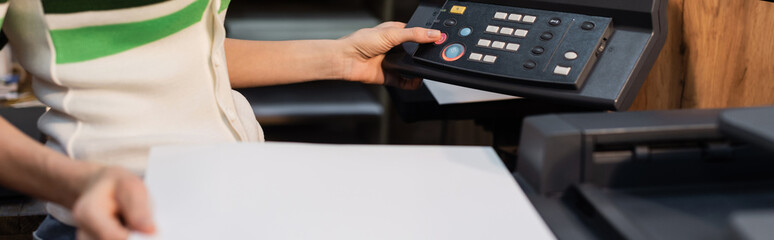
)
(522, 33)
(478, 57)
(513, 17)
(498, 45)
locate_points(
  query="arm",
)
(356, 57)
(98, 196)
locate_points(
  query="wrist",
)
(76, 179)
(342, 59)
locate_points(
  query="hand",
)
(364, 52)
(114, 203)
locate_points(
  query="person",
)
(124, 76)
(100, 196)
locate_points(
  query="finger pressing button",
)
(442, 40)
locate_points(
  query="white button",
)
(514, 17)
(521, 33)
(475, 56)
(559, 70)
(492, 29)
(512, 47)
(571, 55)
(490, 58)
(484, 42)
(529, 19)
(500, 15)
(499, 45)
(506, 31)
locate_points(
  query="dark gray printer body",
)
(692, 174)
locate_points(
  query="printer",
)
(688, 174)
(592, 173)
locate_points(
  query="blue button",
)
(453, 52)
(466, 32)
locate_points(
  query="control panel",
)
(530, 46)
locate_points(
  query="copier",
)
(592, 172)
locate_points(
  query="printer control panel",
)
(527, 46)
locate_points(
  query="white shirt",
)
(123, 77)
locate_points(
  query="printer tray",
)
(685, 212)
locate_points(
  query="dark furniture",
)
(21, 215)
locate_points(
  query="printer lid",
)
(752, 125)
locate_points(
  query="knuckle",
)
(390, 36)
(397, 24)
(389, 24)
(418, 32)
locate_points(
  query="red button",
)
(442, 40)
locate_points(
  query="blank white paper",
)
(307, 191)
(445, 94)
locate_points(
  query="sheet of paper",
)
(306, 191)
(445, 93)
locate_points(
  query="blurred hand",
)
(114, 203)
(364, 52)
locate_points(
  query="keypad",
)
(533, 46)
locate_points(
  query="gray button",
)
(492, 29)
(476, 56)
(484, 42)
(559, 70)
(506, 31)
(498, 45)
(490, 59)
(529, 19)
(571, 55)
(521, 33)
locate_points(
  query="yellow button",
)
(458, 9)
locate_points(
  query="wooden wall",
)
(719, 53)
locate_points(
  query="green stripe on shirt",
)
(72, 6)
(88, 43)
(223, 5)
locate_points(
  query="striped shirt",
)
(122, 76)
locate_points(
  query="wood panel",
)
(719, 54)
(664, 86)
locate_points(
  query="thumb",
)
(419, 35)
(135, 207)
